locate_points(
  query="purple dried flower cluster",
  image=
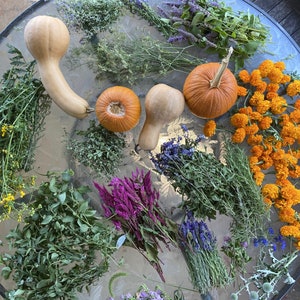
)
(274, 241)
(196, 235)
(172, 152)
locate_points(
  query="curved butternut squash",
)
(47, 39)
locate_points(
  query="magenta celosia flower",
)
(132, 204)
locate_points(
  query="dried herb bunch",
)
(24, 106)
(209, 187)
(89, 16)
(208, 24)
(63, 245)
(125, 59)
(97, 148)
(199, 247)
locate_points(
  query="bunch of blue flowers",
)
(199, 247)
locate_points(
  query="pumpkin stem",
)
(215, 82)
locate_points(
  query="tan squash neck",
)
(215, 82)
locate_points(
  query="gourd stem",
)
(215, 82)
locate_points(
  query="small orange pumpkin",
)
(210, 89)
(118, 109)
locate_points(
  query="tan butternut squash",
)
(163, 104)
(47, 39)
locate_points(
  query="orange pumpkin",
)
(210, 89)
(118, 109)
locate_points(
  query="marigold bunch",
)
(269, 122)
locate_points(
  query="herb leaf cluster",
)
(97, 148)
(57, 252)
(89, 16)
(24, 105)
(209, 187)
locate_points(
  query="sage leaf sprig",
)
(63, 245)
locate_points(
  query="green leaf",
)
(83, 227)
(62, 197)
(47, 220)
(68, 219)
(43, 283)
(5, 272)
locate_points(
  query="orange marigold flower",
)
(289, 130)
(247, 110)
(261, 86)
(297, 104)
(295, 172)
(239, 120)
(288, 192)
(284, 119)
(259, 178)
(254, 139)
(295, 116)
(265, 67)
(266, 162)
(280, 65)
(275, 75)
(209, 128)
(251, 129)
(278, 155)
(293, 88)
(270, 190)
(282, 172)
(265, 123)
(238, 136)
(257, 150)
(255, 77)
(242, 91)
(285, 79)
(278, 105)
(255, 116)
(297, 245)
(287, 215)
(271, 95)
(244, 76)
(263, 106)
(256, 97)
(273, 87)
(290, 230)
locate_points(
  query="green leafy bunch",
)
(62, 247)
(208, 24)
(89, 16)
(97, 148)
(209, 187)
(24, 106)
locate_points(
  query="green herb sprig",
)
(62, 247)
(24, 106)
(127, 59)
(98, 149)
(89, 16)
(210, 25)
